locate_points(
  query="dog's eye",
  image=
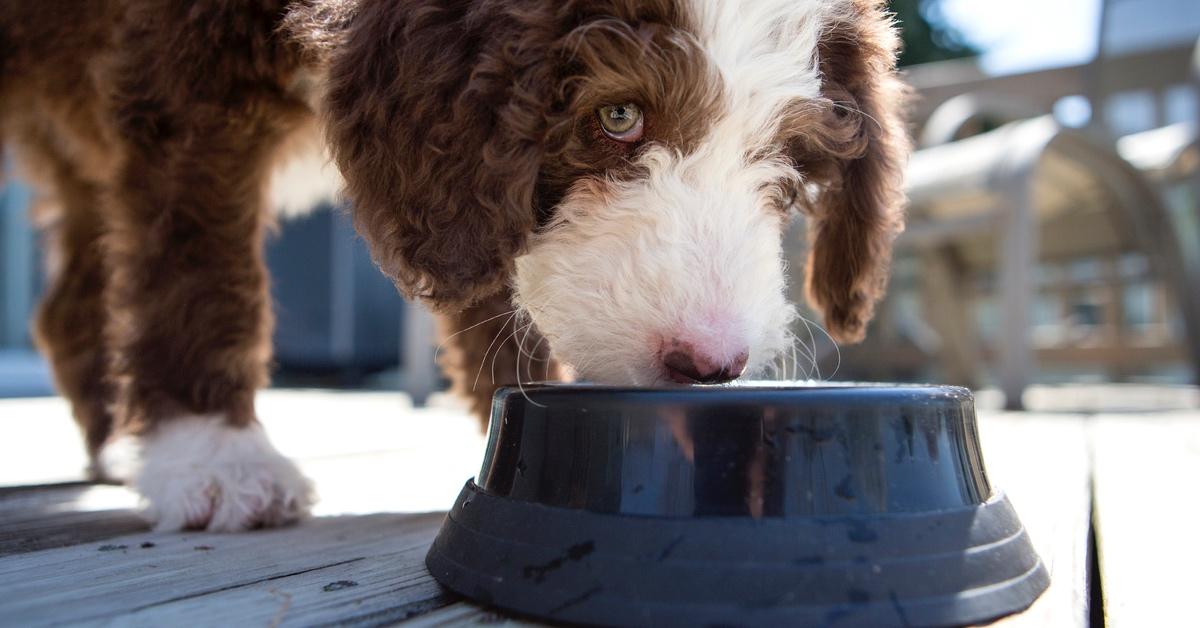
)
(622, 123)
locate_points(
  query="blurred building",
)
(1110, 193)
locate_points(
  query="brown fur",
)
(157, 122)
(451, 177)
(69, 323)
(512, 85)
(47, 109)
(152, 126)
(855, 152)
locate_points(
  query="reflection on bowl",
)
(755, 504)
(760, 451)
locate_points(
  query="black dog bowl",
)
(750, 505)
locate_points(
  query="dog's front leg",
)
(189, 325)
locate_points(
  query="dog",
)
(605, 183)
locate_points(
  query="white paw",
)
(201, 473)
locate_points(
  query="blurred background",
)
(1054, 230)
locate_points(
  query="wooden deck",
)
(76, 554)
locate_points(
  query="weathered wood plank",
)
(1041, 462)
(428, 480)
(260, 578)
(44, 517)
(1145, 469)
(360, 591)
(417, 459)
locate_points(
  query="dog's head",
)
(627, 167)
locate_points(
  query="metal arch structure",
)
(951, 120)
(993, 176)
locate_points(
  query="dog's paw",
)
(202, 473)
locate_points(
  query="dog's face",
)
(674, 273)
(628, 168)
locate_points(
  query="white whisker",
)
(442, 344)
(529, 356)
(838, 105)
(517, 370)
(483, 360)
(812, 349)
(516, 330)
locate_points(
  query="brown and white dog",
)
(617, 173)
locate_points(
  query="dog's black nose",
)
(687, 366)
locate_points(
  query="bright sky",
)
(1020, 35)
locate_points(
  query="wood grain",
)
(44, 517)
(345, 570)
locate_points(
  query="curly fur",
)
(467, 137)
(854, 153)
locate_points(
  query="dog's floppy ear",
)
(435, 115)
(852, 160)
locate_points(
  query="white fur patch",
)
(201, 473)
(694, 250)
(677, 256)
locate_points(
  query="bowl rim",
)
(741, 388)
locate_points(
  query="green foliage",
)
(927, 36)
